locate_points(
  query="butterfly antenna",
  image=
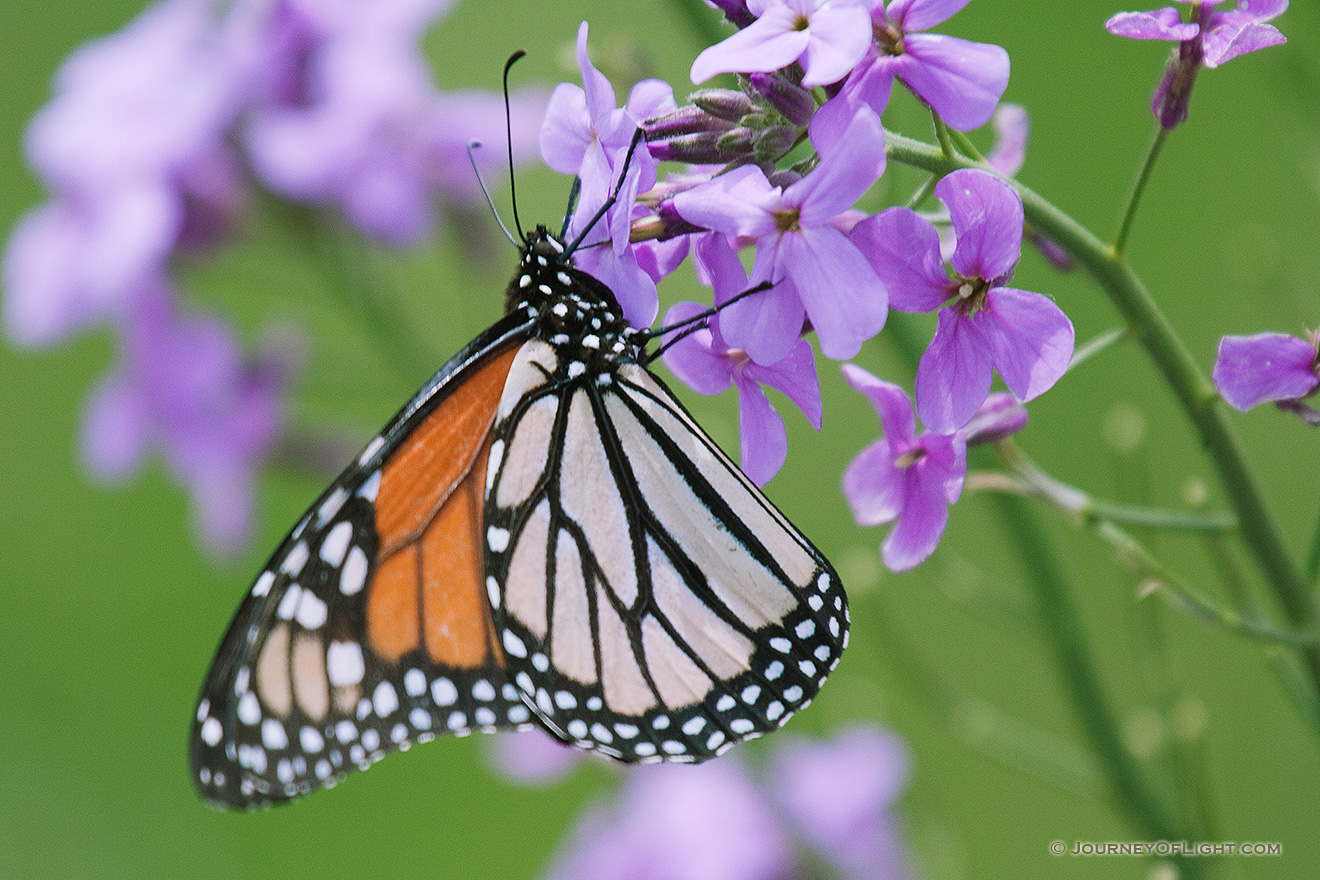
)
(691, 325)
(638, 137)
(574, 191)
(508, 134)
(471, 147)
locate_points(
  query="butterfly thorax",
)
(570, 310)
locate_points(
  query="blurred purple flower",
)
(827, 37)
(1268, 367)
(132, 146)
(1209, 39)
(533, 757)
(587, 135)
(705, 362)
(358, 124)
(184, 389)
(816, 271)
(961, 80)
(708, 822)
(986, 326)
(1011, 129)
(841, 792)
(902, 476)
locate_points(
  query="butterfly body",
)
(541, 536)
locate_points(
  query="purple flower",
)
(358, 124)
(1268, 367)
(816, 271)
(828, 37)
(132, 145)
(533, 757)
(902, 476)
(705, 362)
(961, 80)
(708, 822)
(184, 389)
(986, 325)
(586, 134)
(841, 793)
(1210, 39)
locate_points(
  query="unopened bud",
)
(793, 101)
(725, 104)
(1001, 416)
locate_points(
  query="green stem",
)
(1130, 215)
(1193, 390)
(1064, 630)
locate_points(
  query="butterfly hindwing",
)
(369, 629)
(653, 605)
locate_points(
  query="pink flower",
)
(984, 325)
(902, 476)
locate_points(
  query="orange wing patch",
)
(429, 586)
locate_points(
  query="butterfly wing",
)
(369, 628)
(652, 603)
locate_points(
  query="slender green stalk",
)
(1072, 651)
(942, 134)
(1090, 349)
(1193, 390)
(1130, 214)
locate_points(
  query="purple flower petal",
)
(795, 376)
(599, 92)
(962, 80)
(917, 15)
(840, 792)
(532, 757)
(1224, 44)
(769, 43)
(566, 132)
(764, 440)
(919, 528)
(1011, 129)
(845, 299)
(987, 217)
(1162, 24)
(874, 486)
(840, 35)
(1268, 366)
(116, 433)
(904, 250)
(692, 358)
(954, 374)
(891, 403)
(765, 325)
(1032, 338)
(69, 264)
(737, 203)
(846, 171)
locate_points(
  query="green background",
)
(110, 612)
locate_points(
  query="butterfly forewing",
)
(370, 628)
(653, 605)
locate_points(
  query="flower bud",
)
(793, 101)
(723, 103)
(999, 417)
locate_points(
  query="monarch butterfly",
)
(541, 536)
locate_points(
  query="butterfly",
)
(542, 536)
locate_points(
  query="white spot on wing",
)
(336, 543)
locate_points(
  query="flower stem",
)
(1130, 215)
(1198, 398)
(1072, 652)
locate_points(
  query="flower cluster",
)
(152, 147)
(820, 802)
(1209, 38)
(781, 165)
